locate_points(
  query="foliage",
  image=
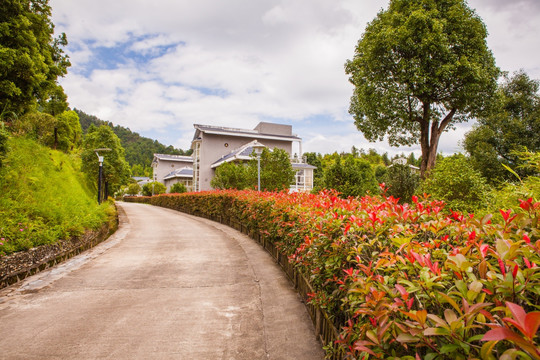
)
(402, 281)
(116, 171)
(139, 150)
(456, 182)
(231, 175)
(351, 177)
(402, 182)
(512, 124)
(133, 189)
(153, 188)
(4, 136)
(178, 188)
(420, 67)
(62, 132)
(44, 197)
(276, 172)
(31, 60)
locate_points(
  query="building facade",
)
(214, 145)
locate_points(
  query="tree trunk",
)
(429, 140)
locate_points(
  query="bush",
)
(401, 182)
(133, 189)
(455, 181)
(153, 188)
(178, 188)
(3, 143)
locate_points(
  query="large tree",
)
(511, 125)
(420, 67)
(31, 59)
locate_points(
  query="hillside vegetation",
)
(139, 150)
(45, 197)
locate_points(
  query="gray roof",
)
(140, 178)
(220, 130)
(173, 157)
(242, 153)
(185, 172)
(297, 166)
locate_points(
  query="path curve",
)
(166, 285)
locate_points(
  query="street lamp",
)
(100, 159)
(258, 149)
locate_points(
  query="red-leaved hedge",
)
(402, 281)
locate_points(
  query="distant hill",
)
(140, 150)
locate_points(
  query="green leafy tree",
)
(401, 182)
(420, 67)
(155, 187)
(178, 188)
(351, 177)
(231, 175)
(455, 181)
(116, 171)
(512, 124)
(276, 173)
(276, 170)
(133, 189)
(31, 59)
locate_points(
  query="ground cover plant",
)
(44, 197)
(403, 281)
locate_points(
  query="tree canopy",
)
(420, 67)
(511, 125)
(116, 170)
(31, 59)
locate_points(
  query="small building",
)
(164, 165)
(183, 176)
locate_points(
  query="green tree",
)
(116, 171)
(133, 189)
(155, 187)
(401, 182)
(455, 181)
(276, 170)
(512, 124)
(31, 59)
(231, 175)
(351, 177)
(178, 188)
(420, 67)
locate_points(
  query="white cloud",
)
(158, 67)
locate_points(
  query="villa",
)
(214, 145)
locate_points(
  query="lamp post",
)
(258, 149)
(100, 159)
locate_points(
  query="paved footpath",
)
(165, 286)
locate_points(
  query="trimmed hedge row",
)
(401, 281)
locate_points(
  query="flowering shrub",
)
(402, 281)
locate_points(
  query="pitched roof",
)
(173, 157)
(242, 153)
(185, 172)
(220, 130)
(297, 166)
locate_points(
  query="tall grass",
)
(44, 197)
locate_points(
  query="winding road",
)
(166, 285)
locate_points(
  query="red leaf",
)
(532, 322)
(517, 313)
(500, 333)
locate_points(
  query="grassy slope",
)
(43, 197)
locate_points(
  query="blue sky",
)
(159, 67)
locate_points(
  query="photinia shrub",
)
(402, 281)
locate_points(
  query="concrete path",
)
(165, 286)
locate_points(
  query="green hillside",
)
(140, 150)
(45, 197)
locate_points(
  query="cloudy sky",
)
(160, 66)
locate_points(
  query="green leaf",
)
(449, 348)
